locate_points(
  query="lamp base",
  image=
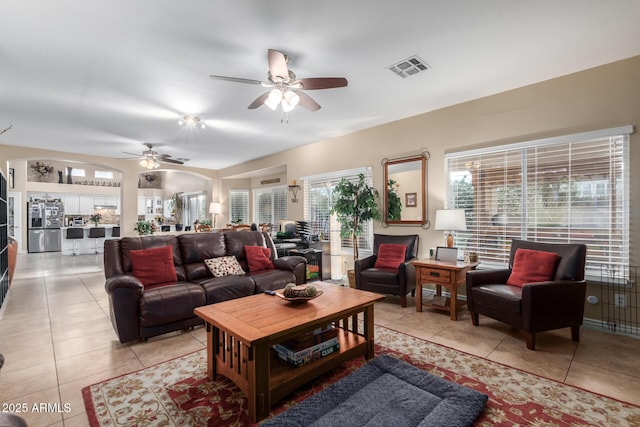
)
(450, 240)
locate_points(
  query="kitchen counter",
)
(86, 245)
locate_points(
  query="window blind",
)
(570, 189)
(318, 203)
(270, 205)
(239, 206)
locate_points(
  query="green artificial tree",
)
(355, 203)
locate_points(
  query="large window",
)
(571, 189)
(270, 205)
(194, 208)
(239, 206)
(318, 203)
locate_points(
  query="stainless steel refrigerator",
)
(44, 222)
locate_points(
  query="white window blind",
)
(270, 205)
(318, 203)
(239, 206)
(571, 189)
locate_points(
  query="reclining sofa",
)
(139, 311)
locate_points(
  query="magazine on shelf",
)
(304, 357)
(299, 354)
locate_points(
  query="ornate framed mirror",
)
(405, 195)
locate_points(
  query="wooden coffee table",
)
(240, 334)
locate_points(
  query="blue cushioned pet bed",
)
(386, 392)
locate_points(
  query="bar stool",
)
(97, 233)
(115, 232)
(75, 233)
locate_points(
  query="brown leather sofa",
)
(384, 281)
(534, 307)
(139, 313)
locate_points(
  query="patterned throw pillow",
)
(224, 266)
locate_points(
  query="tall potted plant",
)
(355, 203)
(177, 207)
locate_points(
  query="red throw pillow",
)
(390, 256)
(154, 266)
(258, 258)
(531, 266)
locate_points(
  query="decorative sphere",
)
(311, 291)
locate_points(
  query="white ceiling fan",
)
(287, 89)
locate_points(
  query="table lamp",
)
(215, 208)
(450, 220)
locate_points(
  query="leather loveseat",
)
(138, 311)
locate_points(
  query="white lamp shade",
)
(450, 220)
(215, 207)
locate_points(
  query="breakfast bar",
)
(86, 244)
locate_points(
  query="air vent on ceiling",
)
(409, 67)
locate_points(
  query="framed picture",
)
(411, 200)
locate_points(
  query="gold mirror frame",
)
(413, 200)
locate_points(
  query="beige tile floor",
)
(56, 337)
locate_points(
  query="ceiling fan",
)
(151, 159)
(287, 88)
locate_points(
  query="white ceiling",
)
(105, 77)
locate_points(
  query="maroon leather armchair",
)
(534, 307)
(385, 281)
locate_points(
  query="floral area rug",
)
(178, 393)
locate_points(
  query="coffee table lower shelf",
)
(285, 378)
(244, 366)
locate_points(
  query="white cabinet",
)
(71, 204)
(86, 205)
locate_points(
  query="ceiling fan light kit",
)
(191, 121)
(151, 159)
(149, 163)
(287, 88)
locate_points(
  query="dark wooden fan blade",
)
(322, 83)
(236, 79)
(259, 101)
(132, 154)
(170, 160)
(307, 102)
(278, 65)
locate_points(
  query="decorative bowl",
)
(297, 299)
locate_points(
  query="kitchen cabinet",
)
(71, 204)
(86, 205)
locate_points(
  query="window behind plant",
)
(318, 204)
(571, 189)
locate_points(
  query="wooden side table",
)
(447, 274)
